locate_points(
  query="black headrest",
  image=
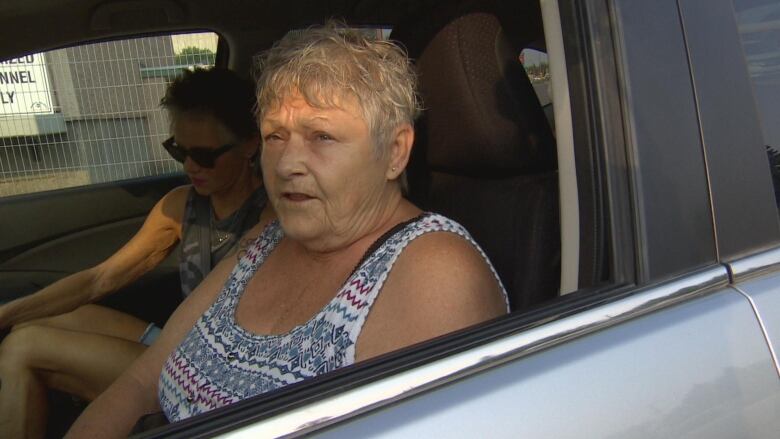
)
(482, 116)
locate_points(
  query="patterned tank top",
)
(219, 362)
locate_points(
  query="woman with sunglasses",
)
(59, 340)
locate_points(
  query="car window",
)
(537, 66)
(759, 30)
(89, 114)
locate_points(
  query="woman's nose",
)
(190, 166)
(292, 158)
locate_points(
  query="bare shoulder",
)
(169, 211)
(175, 201)
(179, 193)
(439, 284)
(444, 271)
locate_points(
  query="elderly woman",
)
(215, 136)
(350, 270)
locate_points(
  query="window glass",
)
(89, 114)
(537, 66)
(538, 69)
(759, 30)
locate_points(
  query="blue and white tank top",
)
(219, 363)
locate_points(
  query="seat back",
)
(484, 154)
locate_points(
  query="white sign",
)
(24, 86)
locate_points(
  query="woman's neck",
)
(224, 203)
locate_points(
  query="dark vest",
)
(205, 241)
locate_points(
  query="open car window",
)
(89, 114)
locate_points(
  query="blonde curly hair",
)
(325, 63)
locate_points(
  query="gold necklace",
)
(219, 237)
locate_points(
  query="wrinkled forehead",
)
(311, 100)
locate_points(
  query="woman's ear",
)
(400, 150)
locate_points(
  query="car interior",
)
(485, 151)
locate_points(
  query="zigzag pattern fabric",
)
(219, 362)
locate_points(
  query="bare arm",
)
(153, 242)
(439, 284)
(134, 393)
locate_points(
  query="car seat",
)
(484, 153)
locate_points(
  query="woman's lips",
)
(296, 197)
(198, 181)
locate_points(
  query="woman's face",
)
(204, 131)
(323, 178)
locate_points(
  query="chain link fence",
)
(90, 114)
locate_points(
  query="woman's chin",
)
(310, 233)
(202, 190)
(298, 229)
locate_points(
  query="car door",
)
(670, 347)
(749, 234)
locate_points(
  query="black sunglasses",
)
(204, 157)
